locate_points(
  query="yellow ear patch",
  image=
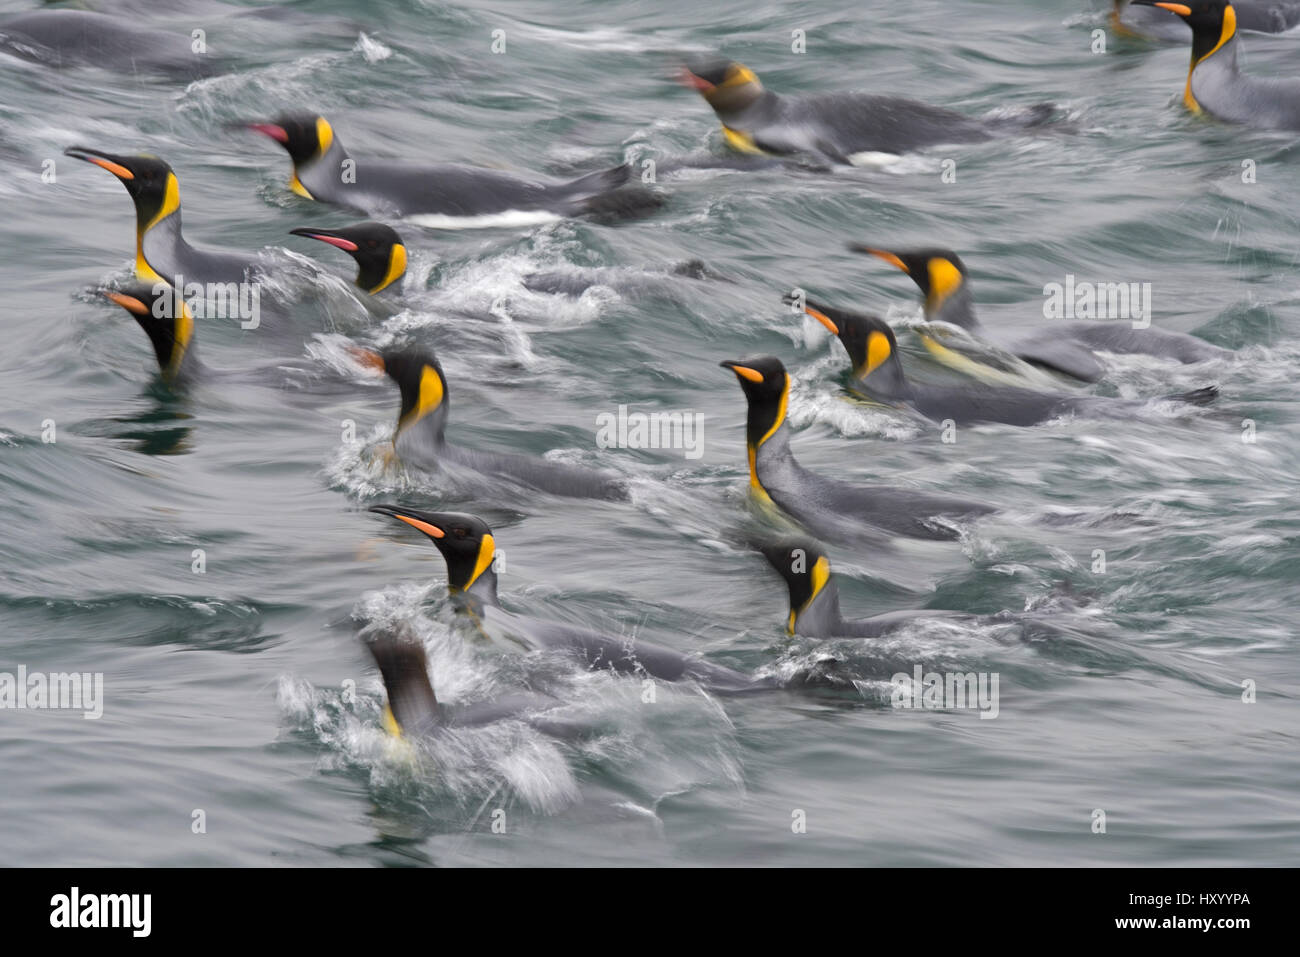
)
(431, 393)
(944, 280)
(396, 267)
(738, 75)
(780, 411)
(878, 350)
(171, 201)
(821, 574)
(487, 549)
(324, 135)
(182, 332)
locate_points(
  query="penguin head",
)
(871, 346)
(412, 708)
(766, 385)
(419, 378)
(465, 541)
(938, 273)
(152, 185)
(165, 318)
(304, 136)
(378, 250)
(726, 85)
(803, 564)
(1213, 22)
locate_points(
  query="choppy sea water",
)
(243, 692)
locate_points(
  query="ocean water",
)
(244, 693)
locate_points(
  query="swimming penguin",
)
(1255, 16)
(820, 504)
(878, 375)
(378, 250)
(837, 128)
(815, 598)
(161, 252)
(413, 711)
(468, 546)
(441, 194)
(1064, 347)
(1216, 86)
(420, 439)
(62, 38)
(169, 324)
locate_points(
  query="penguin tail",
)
(412, 705)
(1202, 396)
(607, 194)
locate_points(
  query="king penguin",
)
(378, 250)
(161, 252)
(1254, 16)
(826, 507)
(63, 38)
(169, 324)
(1064, 347)
(1215, 84)
(878, 375)
(442, 194)
(413, 712)
(834, 128)
(468, 547)
(815, 597)
(420, 440)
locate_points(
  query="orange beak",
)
(745, 372)
(886, 256)
(102, 160)
(824, 319)
(371, 360)
(432, 530)
(129, 303)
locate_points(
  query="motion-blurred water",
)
(244, 692)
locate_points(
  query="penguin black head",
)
(937, 272)
(166, 320)
(412, 707)
(871, 346)
(419, 377)
(152, 185)
(378, 250)
(766, 385)
(1212, 21)
(304, 136)
(726, 85)
(806, 570)
(465, 541)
